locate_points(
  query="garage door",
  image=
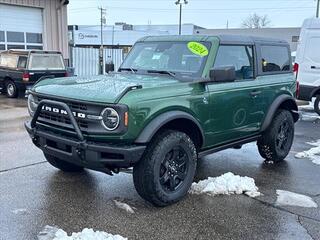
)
(20, 27)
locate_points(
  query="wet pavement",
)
(34, 194)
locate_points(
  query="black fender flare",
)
(150, 130)
(275, 106)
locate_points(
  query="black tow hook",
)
(35, 141)
(80, 150)
(80, 153)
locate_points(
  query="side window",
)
(241, 57)
(275, 58)
(22, 62)
(7, 60)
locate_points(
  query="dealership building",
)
(124, 35)
(34, 24)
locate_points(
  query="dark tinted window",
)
(2, 47)
(241, 57)
(15, 37)
(22, 62)
(12, 46)
(34, 47)
(34, 38)
(1, 36)
(275, 58)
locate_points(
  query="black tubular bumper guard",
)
(94, 155)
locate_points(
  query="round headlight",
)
(110, 119)
(32, 104)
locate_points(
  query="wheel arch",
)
(281, 102)
(175, 120)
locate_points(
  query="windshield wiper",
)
(172, 74)
(133, 70)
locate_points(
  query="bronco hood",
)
(103, 88)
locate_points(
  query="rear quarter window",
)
(275, 59)
(46, 62)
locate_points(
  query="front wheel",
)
(317, 104)
(275, 143)
(165, 173)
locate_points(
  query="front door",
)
(235, 106)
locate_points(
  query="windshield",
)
(46, 62)
(183, 59)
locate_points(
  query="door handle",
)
(315, 67)
(255, 93)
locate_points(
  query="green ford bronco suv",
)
(174, 99)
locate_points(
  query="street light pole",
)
(318, 5)
(179, 2)
(102, 21)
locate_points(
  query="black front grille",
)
(63, 121)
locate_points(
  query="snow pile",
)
(124, 206)
(286, 198)
(313, 153)
(227, 183)
(53, 233)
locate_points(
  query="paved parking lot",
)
(34, 194)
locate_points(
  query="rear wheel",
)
(317, 104)
(275, 143)
(11, 89)
(62, 165)
(166, 171)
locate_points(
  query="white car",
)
(307, 62)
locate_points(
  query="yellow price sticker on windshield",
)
(198, 48)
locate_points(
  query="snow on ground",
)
(313, 153)
(19, 211)
(227, 183)
(53, 233)
(286, 198)
(307, 112)
(124, 206)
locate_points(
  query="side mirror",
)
(223, 74)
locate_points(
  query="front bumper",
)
(98, 156)
(306, 92)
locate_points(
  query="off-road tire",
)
(147, 172)
(62, 165)
(317, 105)
(11, 89)
(268, 143)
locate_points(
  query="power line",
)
(200, 9)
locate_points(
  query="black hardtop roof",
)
(27, 52)
(224, 39)
(241, 39)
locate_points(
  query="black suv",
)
(20, 69)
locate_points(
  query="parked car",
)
(307, 65)
(175, 99)
(20, 69)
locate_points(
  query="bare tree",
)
(256, 21)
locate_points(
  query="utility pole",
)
(102, 22)
(180, 2)
(318, 6)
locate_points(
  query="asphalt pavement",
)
(33, 194)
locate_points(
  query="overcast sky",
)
(205, 13)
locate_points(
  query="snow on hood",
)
(53, 233)
(227, 183)
(313, 153)
(286, 198)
